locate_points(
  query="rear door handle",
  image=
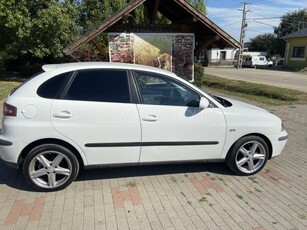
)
(63, 115)
(150, 118)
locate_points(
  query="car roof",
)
(104, 65)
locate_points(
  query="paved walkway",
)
(194, 196)
(279, 78)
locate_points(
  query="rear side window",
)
(52, 88)
(100, 85)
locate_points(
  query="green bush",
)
(30, 70)
(247, 88)
(198, 75)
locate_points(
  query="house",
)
(224, 56)
(296, 50)
(171, 46)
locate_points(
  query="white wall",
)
(214, 55)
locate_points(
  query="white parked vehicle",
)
(255, 61)
(92, 114)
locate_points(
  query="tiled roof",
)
(298, 34)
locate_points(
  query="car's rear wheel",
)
(248, 155)
(50, 167)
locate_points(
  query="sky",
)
(262, 17)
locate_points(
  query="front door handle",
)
(63, 115)
(150, 118)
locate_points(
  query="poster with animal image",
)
(172, 52)
(153, 51)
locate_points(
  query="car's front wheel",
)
(248, 155)
(50, 167)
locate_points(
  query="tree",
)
(15, 23)
(93, 12)
(53, 28)
(272, 43)
(199, 4)
(269, 43)
(292, 22)
(37, 30)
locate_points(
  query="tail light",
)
(9, 110)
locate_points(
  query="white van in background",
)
(254, 61)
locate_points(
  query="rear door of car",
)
(96, 112)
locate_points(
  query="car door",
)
(96, 113)
(174, 128)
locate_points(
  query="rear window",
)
(52, 88)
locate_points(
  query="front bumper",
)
(278, 142)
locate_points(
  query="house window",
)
(298, 52)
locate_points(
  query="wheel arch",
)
(266, 139)
(65, 144)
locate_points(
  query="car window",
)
(100, 85)
(53, 87)
(157, 89)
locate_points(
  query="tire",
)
(50, 167)
(248, 155)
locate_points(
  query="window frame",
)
(298, 47)
(64, 94)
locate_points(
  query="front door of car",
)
(174, 128)
(96, 113)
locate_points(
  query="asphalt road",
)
(278, 78)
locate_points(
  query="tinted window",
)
(53, 87)
(160, 90)
(298, 52)
(100, 85)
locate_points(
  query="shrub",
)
(198, 75)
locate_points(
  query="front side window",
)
(298, 52)
(157, 89)
(100, 85)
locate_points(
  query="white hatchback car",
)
(101, 114)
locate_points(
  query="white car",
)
(106, 114)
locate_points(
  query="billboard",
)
(169, 51)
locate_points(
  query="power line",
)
(236, 22)
(265, 24)
(221, 14)
(266, 18)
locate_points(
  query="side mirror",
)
(203, 103)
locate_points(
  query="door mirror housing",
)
(203, 103)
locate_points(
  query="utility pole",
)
(242, 35)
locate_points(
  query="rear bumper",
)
(10, 150)
(4, 144)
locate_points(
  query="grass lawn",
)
(262, 94)
(6, 87)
